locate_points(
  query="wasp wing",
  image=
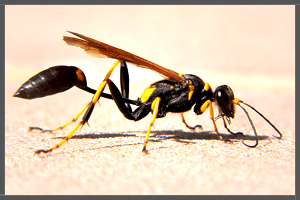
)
(101, 50)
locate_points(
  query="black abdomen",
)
(48, 82)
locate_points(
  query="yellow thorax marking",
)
(191, 89)
(147, 93)
(206, 87)
(80, 75)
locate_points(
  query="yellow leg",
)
(154, 107)
(73, 120)
(103, 84)
(63, 126)
(89, 107)
(61, 142)
(206, 104)
(212, 117)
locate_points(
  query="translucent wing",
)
(101, 50)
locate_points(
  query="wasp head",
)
(224, 97)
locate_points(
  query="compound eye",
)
(222, 96)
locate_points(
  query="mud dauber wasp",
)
(176, 93)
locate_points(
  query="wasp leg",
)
(139, 113)
(124, 82)
(203, 107)
(211, 111)
(124, 79)
(125, 93)
(124, 108)
(190, 127)
(63, 126)
(87, 114)
(154, 107)
(233, 133)
(108, 96)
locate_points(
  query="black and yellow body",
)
(175, 97)
(177, 93)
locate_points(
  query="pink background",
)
(220, 44)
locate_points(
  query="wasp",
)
(176, 93)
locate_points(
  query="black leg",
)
(124, 79)
(190, 127)
(124, 82)
(124, 108)
(233, 133)
(108, 96)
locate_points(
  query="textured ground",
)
(107, 159)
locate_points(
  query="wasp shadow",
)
(180, 136)
(100, 135)
(187, 137)
(177, 135)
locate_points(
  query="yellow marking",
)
(191, 89)
(147, 93)
(206, 87)
(155, 105)
(236, 101)
(204, 106)
(180, 74)
(80, 75)
(190, 95)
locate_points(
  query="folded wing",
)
(101, 50)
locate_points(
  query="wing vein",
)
(99, 49)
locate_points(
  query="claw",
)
(42, 151)
(40, 129)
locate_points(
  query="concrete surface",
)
(218, 43)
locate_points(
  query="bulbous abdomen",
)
(51, 81)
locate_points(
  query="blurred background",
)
(244, 46)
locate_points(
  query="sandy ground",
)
(107, 159)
